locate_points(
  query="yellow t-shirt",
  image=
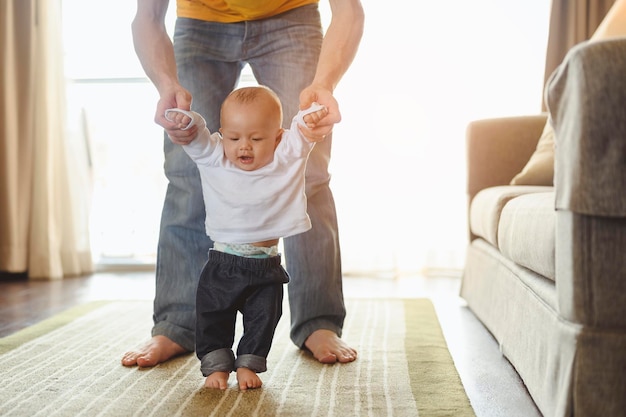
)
(228, 11)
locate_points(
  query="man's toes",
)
(346, 357)
(142, 359)
(328, 358)
(146, 361)
(158, 349)
(129, 359)
(327, 347)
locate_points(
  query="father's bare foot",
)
(157, 350)
(248, 379)
(327, 347)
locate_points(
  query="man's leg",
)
(284, 57)
(316, 299)
(182, 250)
(204, 59)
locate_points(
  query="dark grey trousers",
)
(230, 284)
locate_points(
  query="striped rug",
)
(70, 366)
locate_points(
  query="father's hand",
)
(321, 95)
(175, 97)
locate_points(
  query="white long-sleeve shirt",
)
(252, 206)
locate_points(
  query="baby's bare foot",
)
(327, 347)
(217, 380)
(157, 350)
(248, 379)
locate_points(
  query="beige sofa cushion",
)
(488, 204)
(526, 232)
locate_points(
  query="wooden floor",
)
(491, 383)
(25, 302)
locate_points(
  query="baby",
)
(252, 175)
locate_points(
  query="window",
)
(398, 156)
(112, 101)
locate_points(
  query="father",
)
(283, 42)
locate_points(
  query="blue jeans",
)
(282, 52)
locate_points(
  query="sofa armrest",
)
(497, 149)
(586, 96)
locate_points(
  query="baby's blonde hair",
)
(252, 94)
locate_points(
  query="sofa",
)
(545, 269)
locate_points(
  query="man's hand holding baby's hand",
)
(181, 130)
(312, 119)
(317, 93)
(309, 121)
(179, 119)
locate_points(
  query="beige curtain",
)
(44, 191)
(571, 22)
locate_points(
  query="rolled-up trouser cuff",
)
(184, 337)
(255, 363)
(222, 360)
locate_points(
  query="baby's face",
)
(250, 135)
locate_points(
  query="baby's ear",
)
(279, 137)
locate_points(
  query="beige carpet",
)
(69, 366)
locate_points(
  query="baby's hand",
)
(312, 119)
(180, 119)
(183, 127)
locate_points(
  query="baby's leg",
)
(218, 380)
(247, 378)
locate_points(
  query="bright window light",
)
(421, 74)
